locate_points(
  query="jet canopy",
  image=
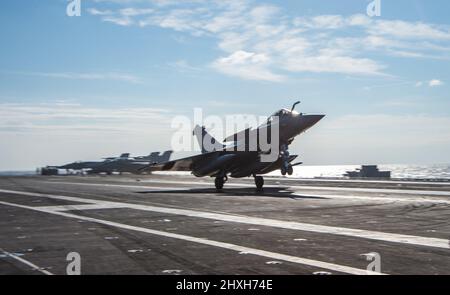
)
(280, 114)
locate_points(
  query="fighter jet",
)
(92, 164)
(155, 157)
(226, 159)
(122, 164)
(129, 164)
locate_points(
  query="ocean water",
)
(438, 171)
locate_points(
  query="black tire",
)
(290, 170)
(219, 183)
(259, 181)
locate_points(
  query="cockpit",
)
(282, 113)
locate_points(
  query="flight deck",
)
(165, 224)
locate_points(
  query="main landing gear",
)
(220, 181)
(259, 181)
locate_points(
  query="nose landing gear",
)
(289, 170)
(286, 167)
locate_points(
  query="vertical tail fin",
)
(157, 157)
(165, 157)
(153, 155)
(205, 140)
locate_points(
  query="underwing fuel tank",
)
(249, 169)
(213, 166)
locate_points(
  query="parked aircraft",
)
(130, 164)
(122, 164)
(91, 164)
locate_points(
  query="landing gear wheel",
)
(286, 168)
(290, 170)
(259, 181)
(219, 182)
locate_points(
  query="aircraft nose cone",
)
(314, 119)
(308, 121)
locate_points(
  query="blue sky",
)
(110, 80)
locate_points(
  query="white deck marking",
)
(296, 193)
(362, 181)
(33, 266)
(84, 207)
(375, 190)
(297, 187)
(341, 231)
(369, 198)
(234, 247)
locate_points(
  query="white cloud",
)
(135, 11)
(359, 20)
(263, 13)
(94, 11)
(431, 83)
(111, 76)
(326, 22)
(183, 66)
(56, 133)
(301, 44)
(388, 139)
(409, 30)
(121, 21)
(333, 64)
(435, 83)
(393, 130)
(69, 116)
(247, 65)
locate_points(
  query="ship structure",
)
(368, 171)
